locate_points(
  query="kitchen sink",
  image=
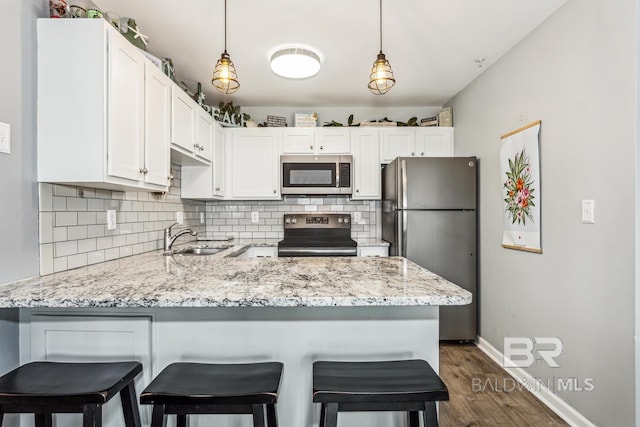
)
(200, 250)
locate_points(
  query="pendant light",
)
(381, 79)
(225, 78)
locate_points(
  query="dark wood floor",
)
(483, 394)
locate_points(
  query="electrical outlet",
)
(255, 217)
(588, 212)
(180, 217)
(201, 217)
(357, 217)
(111, 219)
(5, 138)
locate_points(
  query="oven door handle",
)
(318, 251)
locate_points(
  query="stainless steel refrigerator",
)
(429, 217)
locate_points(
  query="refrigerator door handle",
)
(403, 238)
(403, 183)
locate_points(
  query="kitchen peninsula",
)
(219, 308)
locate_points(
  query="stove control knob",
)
(340, 220)
(346, 219)
(287, 220)
(293, 220)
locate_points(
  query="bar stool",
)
(45, 388)
(410, 386)
(203, 388)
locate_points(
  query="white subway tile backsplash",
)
(65, 190)
(76, 261)
(59, 203)
(76, 204)
(65, 248)
(73, 221)
(46, 227)
(60, 264)
(46, 258)
(87, 245)
(87, 218)
(65, 219)
(46, 199)
(95, 257)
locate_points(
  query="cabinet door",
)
(219, 162)
(255, 160)
(298, 141)
(157, 129)
(366, 163)
(333, 141)
(183, 120)
(125, 104)
(398, 142)
(204, 134)
(82, 338)
(434, 142)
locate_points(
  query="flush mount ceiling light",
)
(225, 78)
(381, 79)
(295, 63)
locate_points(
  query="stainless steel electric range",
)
(317, 234)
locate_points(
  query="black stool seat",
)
(44, 388)
(204, 388)
(398, 385)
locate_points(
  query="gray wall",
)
(18, 189)
(577, 73)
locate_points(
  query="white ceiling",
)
(432, 45)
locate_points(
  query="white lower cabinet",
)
(379, 251)
(93, 338)
(260, 252)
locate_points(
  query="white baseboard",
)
(546, 396)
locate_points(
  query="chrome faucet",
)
(169, 239)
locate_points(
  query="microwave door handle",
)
(338, 174)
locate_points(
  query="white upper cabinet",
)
(365, 143)
(434, 141)
(96, 102)
(219, 163)
(333, 140)
(254, 163)
(157, 125)
(326, 140)
(204, 135)
(191, 130)
(207, 182)
(416, 142)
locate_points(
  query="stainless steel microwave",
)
(316, 174)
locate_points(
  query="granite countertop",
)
(221, 280)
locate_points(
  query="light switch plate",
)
(201, 217)
(255, 217)
(357, 217)
(5, 138)
(180, 217)
(588, 212)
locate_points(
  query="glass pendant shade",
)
(225, 78)
(381, 79)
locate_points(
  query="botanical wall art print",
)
(520, 181)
